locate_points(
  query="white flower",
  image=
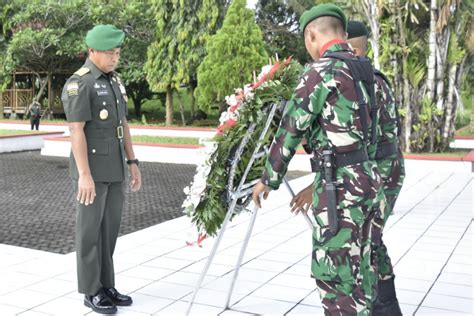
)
(231, 100)
(265, 70)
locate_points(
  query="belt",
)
(109, 132)
(341, 159)
(385, 150)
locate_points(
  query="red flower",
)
(271, 73)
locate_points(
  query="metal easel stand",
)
(243, 190)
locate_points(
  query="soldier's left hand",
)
(302, 201)
(135, 178)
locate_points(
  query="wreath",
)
(226, 156)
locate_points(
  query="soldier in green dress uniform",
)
(95, 103)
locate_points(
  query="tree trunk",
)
(43, 84)
(181, 108)
(395, 63)
(450, 118)
(406, 84)
(373, 14)
(193, 101)
(169, 105)
(440, 67)
(430, 82)
(137, 106)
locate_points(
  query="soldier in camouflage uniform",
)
(391, 166)
(325, 109)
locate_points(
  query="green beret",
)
(356, 29)
(104, 37)
(326, 9)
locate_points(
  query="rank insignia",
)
(72, 88)
(103, 114)
(122, 89)
(96, 85)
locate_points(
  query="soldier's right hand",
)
(302, 201)
(86, 190)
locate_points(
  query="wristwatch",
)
(135, 161)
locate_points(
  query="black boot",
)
(386, 303)
(100, 303)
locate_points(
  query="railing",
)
(16, 100)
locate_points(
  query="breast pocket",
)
(97, 147)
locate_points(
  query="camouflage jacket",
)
(324, 108)
(388, 117)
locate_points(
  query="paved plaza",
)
(429, 239)
(38, 207)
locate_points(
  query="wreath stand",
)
(243, 190)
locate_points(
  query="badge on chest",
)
(103, 114)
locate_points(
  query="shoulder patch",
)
(72, 88)
(81, 72)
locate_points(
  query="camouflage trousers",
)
(393, 174)
(343, 265)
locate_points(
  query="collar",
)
(96, 72)
(331, 43)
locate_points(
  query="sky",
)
(251, 4)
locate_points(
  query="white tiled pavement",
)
(429, 239)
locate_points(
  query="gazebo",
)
(16, 99)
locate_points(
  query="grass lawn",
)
(154, 112)
(465, 131)
(165, 140)
(452, 153)
(6, 132)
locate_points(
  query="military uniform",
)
(387, 154)
(389, 161)
(325, 109)
(35, 115)
(99, 100)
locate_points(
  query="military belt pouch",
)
(385, 150)
(341, 160)
(110, 132)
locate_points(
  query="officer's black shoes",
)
(117, 298)
(100, 303)
(386, 303)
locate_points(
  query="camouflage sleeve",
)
(76, 100)
(307, 101)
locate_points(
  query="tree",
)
(45, 38)
(181, 34)
(234, 52)
(279, 20)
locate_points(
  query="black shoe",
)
(100, 303)
(386, 303)
(117, 298)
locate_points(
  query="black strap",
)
(341, 159)
(385, 150)
(397, 114)
(362, 73)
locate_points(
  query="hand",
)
(302, 201)
(86, 190)
(258, 189)
(135, 178)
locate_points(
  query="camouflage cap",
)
(104, 37)
(356, 29)
(326, 9)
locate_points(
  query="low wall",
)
(167, 153)
(195, 132)
(11, 143)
